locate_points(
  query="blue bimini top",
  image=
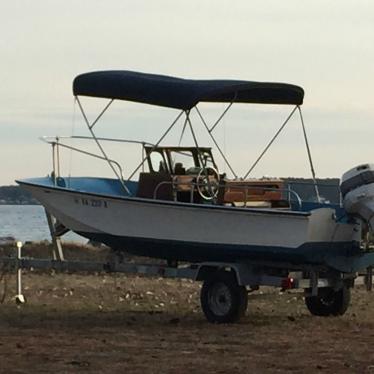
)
(181, 93)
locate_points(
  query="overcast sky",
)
(325, 47)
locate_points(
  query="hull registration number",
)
(95, 203)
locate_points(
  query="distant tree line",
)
(15, 195)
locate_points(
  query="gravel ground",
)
(102, 323)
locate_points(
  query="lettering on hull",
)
(94, 203)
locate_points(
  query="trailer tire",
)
(329, 302)
(222, 299)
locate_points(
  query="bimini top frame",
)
(185, 94)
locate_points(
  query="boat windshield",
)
(157, 162)
(182, 161)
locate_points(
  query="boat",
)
(188, 210)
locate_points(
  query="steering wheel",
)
(207, 182)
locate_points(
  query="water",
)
(28, 223)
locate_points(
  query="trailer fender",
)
(206, 271)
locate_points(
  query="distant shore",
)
(33, 202)
(15, 195)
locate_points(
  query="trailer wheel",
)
(329, 302)
(222, 299)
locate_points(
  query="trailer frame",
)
(239, 278)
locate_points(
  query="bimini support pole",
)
(90, 126)
(188, 120)
(157, 144)
(202, 162)
(213, 138)
(309, 156)
(271, 142)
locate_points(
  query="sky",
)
(325, 47)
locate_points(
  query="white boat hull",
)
(193, 232)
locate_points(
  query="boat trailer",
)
(224, 293)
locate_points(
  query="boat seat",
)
(253, 194)
(179, 169)
(249, 195)
(185, 189)
(183, 182)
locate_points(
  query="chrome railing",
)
(55, 142)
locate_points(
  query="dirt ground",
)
(112, 323)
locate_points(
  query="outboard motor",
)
(357, 188)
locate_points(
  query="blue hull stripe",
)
(308, 253)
